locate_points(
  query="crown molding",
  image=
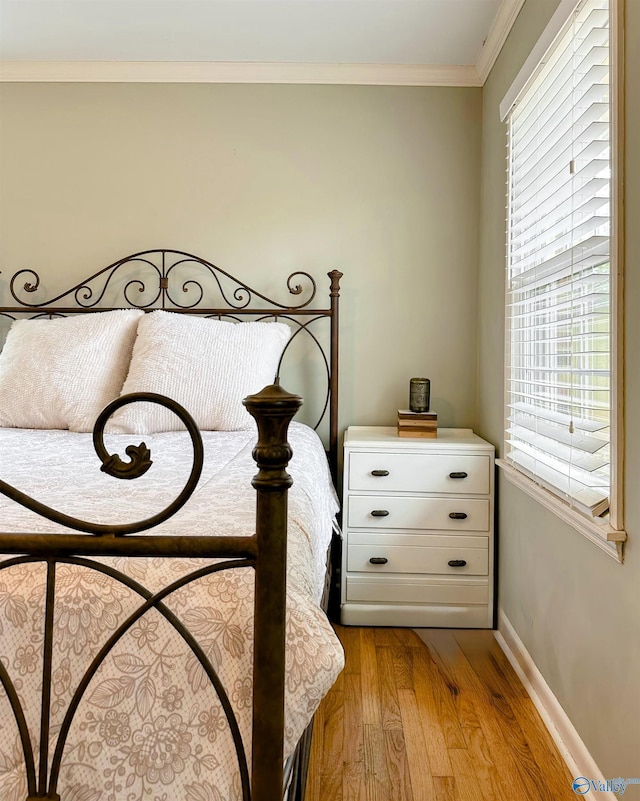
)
(237, 72)
(496, 37)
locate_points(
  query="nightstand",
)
(418, 545)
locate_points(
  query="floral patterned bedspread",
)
(150, 725)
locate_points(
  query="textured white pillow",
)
(61, 373)
(207, 365)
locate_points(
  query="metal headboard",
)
(176, 281)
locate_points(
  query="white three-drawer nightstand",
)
(418, 545)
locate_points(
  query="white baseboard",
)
(571, 747)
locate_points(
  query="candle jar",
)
(419, 391)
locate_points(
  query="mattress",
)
(150, 724)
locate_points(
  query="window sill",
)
(610, 540)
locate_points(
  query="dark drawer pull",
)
(379, 513)
(458, 515)
(379, 472)
(378, 560)
(458, 475)
(456, 563)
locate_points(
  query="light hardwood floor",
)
(444, 721)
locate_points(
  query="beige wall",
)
(381, 183)
(576, 610)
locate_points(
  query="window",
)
(562, 274)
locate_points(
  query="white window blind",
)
(558, 392)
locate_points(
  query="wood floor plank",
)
(425, 691)
(389, 709)
(408, 638)
(352, 738)
(444, 789)
(484, 766)
(543, 748)
(389, 637)
(398, 765)
(353, 783)
(467, 783)
(444, 695)
(476, 674)
(403, 667)
(416, 745)
(369, 678)
(532, 775)
(333, 746)
(517, 769)
(489, 662)
(316, 755)
(376, 775)
(457, 673)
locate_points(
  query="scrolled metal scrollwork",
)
(88, 294)
(142, 288)
(297, 289)
(243, 295)
(85, 294)
(186, 289)
(236, 295)
(28, 286)
(138, 464)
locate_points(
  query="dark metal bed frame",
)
(273, 408)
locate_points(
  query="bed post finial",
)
(335, 276)
(273, 409)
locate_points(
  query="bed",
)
(155, 659)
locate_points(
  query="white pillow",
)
(206, 365)
(61, 373)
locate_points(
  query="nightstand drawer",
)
(397, 512)
(416, 559)
(420, 472)
(417, 590)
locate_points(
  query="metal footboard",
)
(265, 551)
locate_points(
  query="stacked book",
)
(417, 424)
